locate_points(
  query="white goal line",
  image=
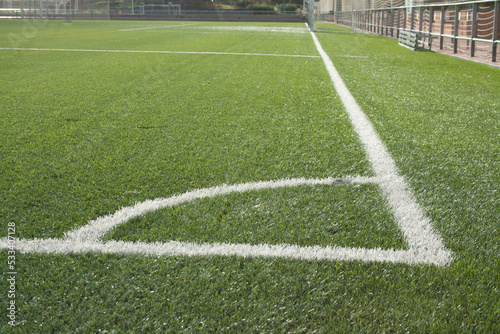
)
(176, 248)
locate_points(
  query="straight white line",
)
(64, 246)
(245, 29)
(87, 238)
(158, 27)
(410, 217)
(165, 52)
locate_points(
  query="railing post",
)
(441, 32)
(455, 28)
(379, 25)
(384, 24)
(367, 20)
(420, 19)
(405, 17)
(370, 20)
(399, 19)
(386, 13)
(496, 23)
(431, 19)
(392, 22)
(473, 32)
(412, 19)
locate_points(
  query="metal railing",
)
(472, 27)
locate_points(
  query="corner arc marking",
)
(95, 229)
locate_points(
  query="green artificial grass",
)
(158, 36)
(86, 134)
(349, 216)
(90, 133)
(439, 118)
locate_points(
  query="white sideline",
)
(165, 52)
(410, 218)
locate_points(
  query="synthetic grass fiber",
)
(86, 133)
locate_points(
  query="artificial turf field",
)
(101, 116)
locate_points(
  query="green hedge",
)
(261, 7)
(287, 7)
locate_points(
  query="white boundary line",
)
(410, 217)
(176, 248)
(159, 27)
(425, 245)
(165, 52)
(200, 28)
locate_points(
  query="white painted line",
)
(411, 220)
(225, 29)
(87, 238)
(259, 29)
(158, 27)
(64, 246)
(165, 52)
